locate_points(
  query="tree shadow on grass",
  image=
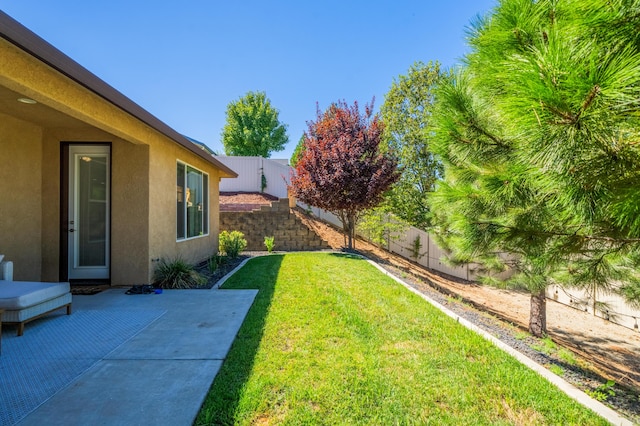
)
(220, 405)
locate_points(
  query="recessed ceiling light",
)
(27, 101)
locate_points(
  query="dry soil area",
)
(243, 201)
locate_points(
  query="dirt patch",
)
(244, 201)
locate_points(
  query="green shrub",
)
(415, 250)
(545, 346)
(263, 183)
(269, 242)
(215, 262)
(603, 392)
(177, 274)
(556, 369)
(232, 243)
(567, 356)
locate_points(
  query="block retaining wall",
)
(276, 220)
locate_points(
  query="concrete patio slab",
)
(160, 376)
(125, 392)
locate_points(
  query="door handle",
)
(72, 230)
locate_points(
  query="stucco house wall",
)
(75, 107)
(162, 196)
(20, 187)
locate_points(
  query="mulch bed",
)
(244, 201)
(213, 277)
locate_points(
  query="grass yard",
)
(331, 340)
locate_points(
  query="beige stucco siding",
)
(162, 215)
(20, 201)
(50, 207)
(143, 202)
(143, 175)
(129, 203)
(129, 213)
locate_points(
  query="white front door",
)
(89, 207)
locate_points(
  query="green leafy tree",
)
(253, 128)
(406, 113)
(380, 227)
(297, 153)
(539, 135)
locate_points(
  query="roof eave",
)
(25, 39)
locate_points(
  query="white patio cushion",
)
(22, 294)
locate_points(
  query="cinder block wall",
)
(275, 220)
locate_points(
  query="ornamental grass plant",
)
(177, 274)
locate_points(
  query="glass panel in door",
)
(89, 212)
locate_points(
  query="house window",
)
(192, 202)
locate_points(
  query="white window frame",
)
(207, 204)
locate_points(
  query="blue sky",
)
(185, 61)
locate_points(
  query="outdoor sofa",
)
(24, 301)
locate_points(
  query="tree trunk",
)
(343, 219)
(348, 220)
(345, 231)
(353, 233)
(353, 221)
(538, 314)
(350, 230)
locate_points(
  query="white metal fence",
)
(429, 255)
(610, 307)
(426, 252)
(250, 170)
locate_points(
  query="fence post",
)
(428, 250)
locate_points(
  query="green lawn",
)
(331, 340)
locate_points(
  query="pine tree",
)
(540, 137)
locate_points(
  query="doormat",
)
(87, 290)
